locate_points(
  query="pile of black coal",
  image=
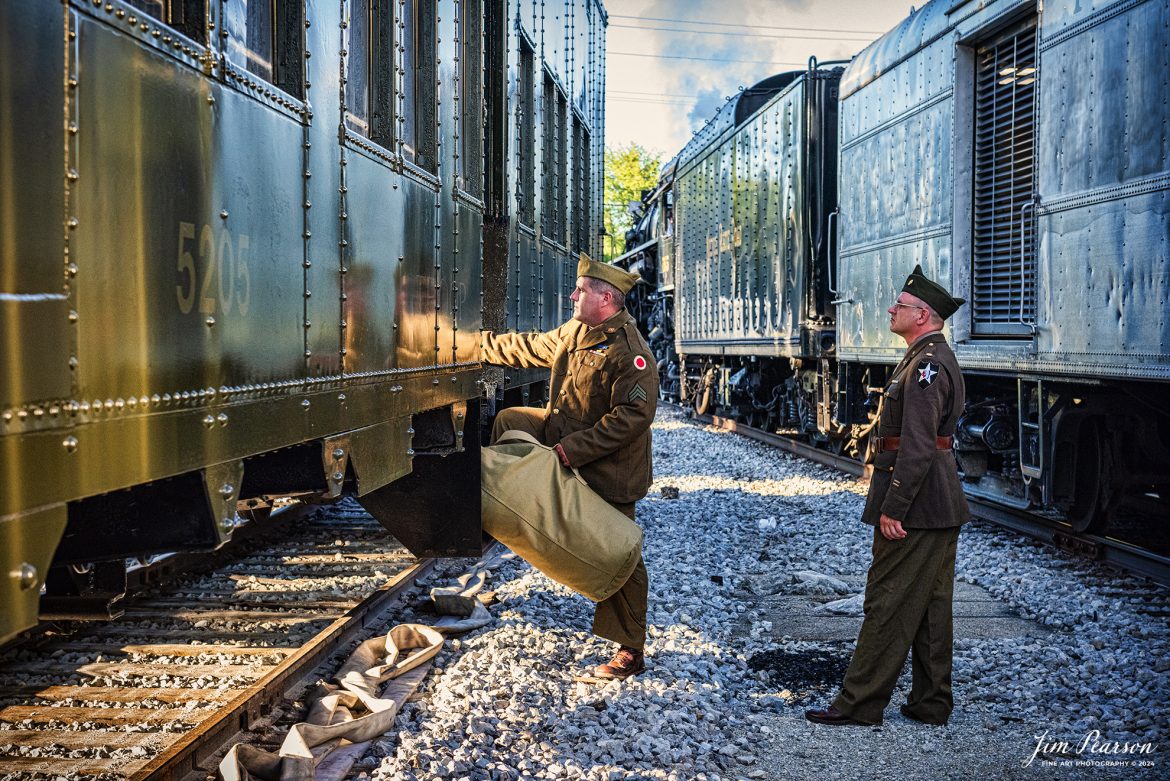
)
(804, 673)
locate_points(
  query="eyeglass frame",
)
(909, 306)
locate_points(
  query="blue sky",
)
(671, 63)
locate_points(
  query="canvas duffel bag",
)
(552, 519)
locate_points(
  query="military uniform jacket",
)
(918, 484)
(603, 392)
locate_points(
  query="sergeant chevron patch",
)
(636, 394)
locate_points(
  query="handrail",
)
(1023, 263)
(634, 251)
(832, 262)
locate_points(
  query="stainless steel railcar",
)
(244, 257)
(1021, 154)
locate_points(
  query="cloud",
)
(660, 100)
(747, 59)
(743, 10)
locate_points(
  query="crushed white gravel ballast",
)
(725, 689)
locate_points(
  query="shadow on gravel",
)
(805, 673)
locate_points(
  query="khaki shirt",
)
(603, 393)
(918, 484)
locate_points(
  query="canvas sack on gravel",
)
(553, 520)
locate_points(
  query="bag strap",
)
(516, 435)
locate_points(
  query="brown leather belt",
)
(889, 444)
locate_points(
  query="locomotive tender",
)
(1021, 154)
(248, 246)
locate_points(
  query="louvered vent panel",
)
(1004, 273)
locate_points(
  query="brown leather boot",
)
(626, 662)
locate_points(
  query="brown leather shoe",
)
(626, 662)
(832, 717)
(910, 715)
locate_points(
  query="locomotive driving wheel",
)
(1087, 514)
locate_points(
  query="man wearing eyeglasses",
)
(916, 505)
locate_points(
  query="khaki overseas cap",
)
(935, 295)
(622, 280)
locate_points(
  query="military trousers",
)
(621, 617)
(908, 608)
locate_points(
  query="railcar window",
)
(561, 190)
(578, 218)
(550, 160)
(369, 64)
(406, 87)
(547, 127)
(416, 120)
(186, 16)
(1003, 274)
(576, 201)
(586, 188)
(357, 71)
(469, 166)
(526, 121)
(496, 108)
(266, 38)
(260, 42)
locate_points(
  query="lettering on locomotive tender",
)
(724, 239)
(220, 280)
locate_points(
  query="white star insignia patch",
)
(926, 374)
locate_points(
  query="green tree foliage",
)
(629, 170)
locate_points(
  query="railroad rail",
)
(1116, 553)
(157, 693)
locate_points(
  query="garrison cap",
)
(622, 280)
(934, 294)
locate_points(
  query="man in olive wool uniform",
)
(917, 505)
(603, 392)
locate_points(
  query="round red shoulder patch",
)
(639, 362)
